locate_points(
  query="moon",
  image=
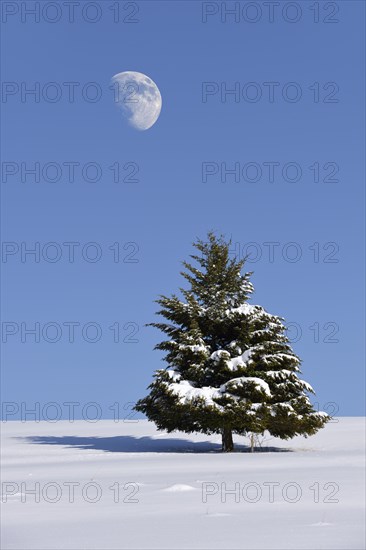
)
(138, 97)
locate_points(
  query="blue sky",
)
(169, 205)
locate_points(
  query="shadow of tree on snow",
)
(130, 444)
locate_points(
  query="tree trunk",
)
(227, 441)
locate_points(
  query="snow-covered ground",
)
(110, 485)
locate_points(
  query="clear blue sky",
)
(169, 206)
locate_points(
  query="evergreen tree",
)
(231, 368)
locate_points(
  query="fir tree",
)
(231, 368)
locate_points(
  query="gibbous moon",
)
(138, 97)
